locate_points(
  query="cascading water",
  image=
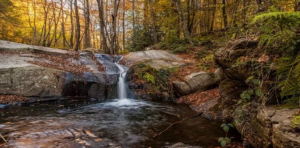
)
(122, 92)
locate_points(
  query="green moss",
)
(296, 121)
(290, 103)
(288, 106)
(207, 62)
(158, 80)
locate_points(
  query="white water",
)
(124, 99)
(122, 93)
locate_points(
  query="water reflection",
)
(122, 122)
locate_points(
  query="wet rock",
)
(108, 62)
(197, 82)
(90, 134)
(181, 145)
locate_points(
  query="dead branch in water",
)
(3, 138)
(176, 123)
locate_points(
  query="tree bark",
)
(87, 37)
(72, 25)
(224, 13)
(44, 32)
(123, 24)
(133, 15)
(102, 27)
(77, 36)
(186, 32)
(153, 23)
(297, 5)
(213, 16)
(63, 32)
(113, 44)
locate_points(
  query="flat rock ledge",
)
(18, 76)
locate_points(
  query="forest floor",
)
(196, 64)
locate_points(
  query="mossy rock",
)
(230, 91)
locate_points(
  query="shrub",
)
(140, 39)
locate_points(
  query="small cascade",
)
(122, 91)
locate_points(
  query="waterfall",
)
(122, 92)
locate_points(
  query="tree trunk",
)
(113, 44)
(87, 37)
(186, 32)
(124, 25)
(77, 36)
(63, 32)
(46, 9)
(72, 25)
(102, 27)
(297, 5)
(224, 13)
(133, 15)
(153, 22)
(213, 16)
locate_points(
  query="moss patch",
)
(157, 80)
(288, 106)
(296, 121)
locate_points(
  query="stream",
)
(124, 122)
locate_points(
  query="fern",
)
(289, 77)
(278, 29)
(276, 15)
(149, 78)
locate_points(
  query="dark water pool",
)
(115, 123)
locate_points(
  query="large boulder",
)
(20, 76)
(258, 119)
(269, 127)
(137, 57)
(157, 63)
(194, 82)
(157, 59)
(233, 58)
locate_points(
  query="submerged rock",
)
(181, 145)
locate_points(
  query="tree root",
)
(176, 123)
